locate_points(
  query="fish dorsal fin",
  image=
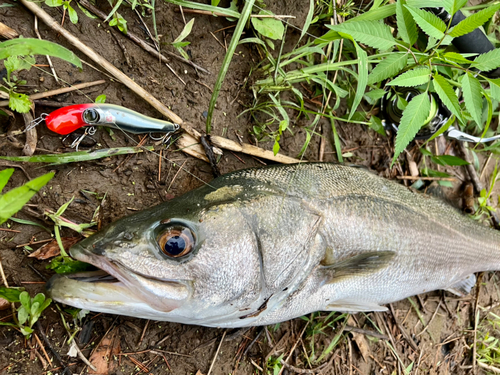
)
(361, 264)
(346, 305)
(463, 287)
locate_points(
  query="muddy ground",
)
(439, 342)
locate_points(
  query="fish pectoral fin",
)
(346, 305)
(463, 287)
(361, 264)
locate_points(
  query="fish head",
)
(182, 261)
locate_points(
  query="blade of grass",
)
(245, 15)
(71, 157)
(193, 5)
(338, 148)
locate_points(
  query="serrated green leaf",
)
(488, 61)
(15, 199)
(19, 102)
(456, 57)
(372, 33)
(388, 67)
(269, 27)
(412, 78)
(495, 88)
(362, 78)
(428, 22)
(452, 6)
(474, 21)
(407, 27)
(473, 98)
(4, 177)
(447, 95)
(413, 118)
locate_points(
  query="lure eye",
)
(176, 241)
(90, 116)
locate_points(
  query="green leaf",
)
(22, 315)
(215, 3)
(376, 124)
(412, 78)
(448, 160)
(15, 199)
(308, 20)
(100, 99)
(456, 57)
(452, 6)
(4, 177)
(406, 24)
(73, 16)
(19, 63)
(487, 61)
(185, 31)
(473, 21)
(473, 97)
(362, 78)
(447, 95)
(269, 27)
(276, 147)
(119, 22)
(25, 300)
(252, 40)
(19, 102)
(29, 46)
(10, 294)
(373, 96)
(413, 118)
(494, 88)
(428, 22)
(54, 3)
(373, 33)
(388, 67)
(64, 265)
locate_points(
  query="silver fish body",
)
(271, 244)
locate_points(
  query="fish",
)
(265, 245)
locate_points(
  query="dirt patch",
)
(440, 338)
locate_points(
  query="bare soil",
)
(439, 342)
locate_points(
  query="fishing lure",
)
(68, 119)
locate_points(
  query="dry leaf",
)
(199, 372)
(103, 358)
(51, 249)
(360, 340)
(4, 304)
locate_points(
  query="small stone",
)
(128, 172)
(150, 186)
(42, 79)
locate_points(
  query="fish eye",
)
(176, 241)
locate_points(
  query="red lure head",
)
(67, 119)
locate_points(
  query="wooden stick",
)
(136, 39)
(62, 90)
(118, 74)
(7, 32)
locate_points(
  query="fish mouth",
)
(116, 289)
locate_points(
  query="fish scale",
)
(274, 243)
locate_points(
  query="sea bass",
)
(265, 245)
